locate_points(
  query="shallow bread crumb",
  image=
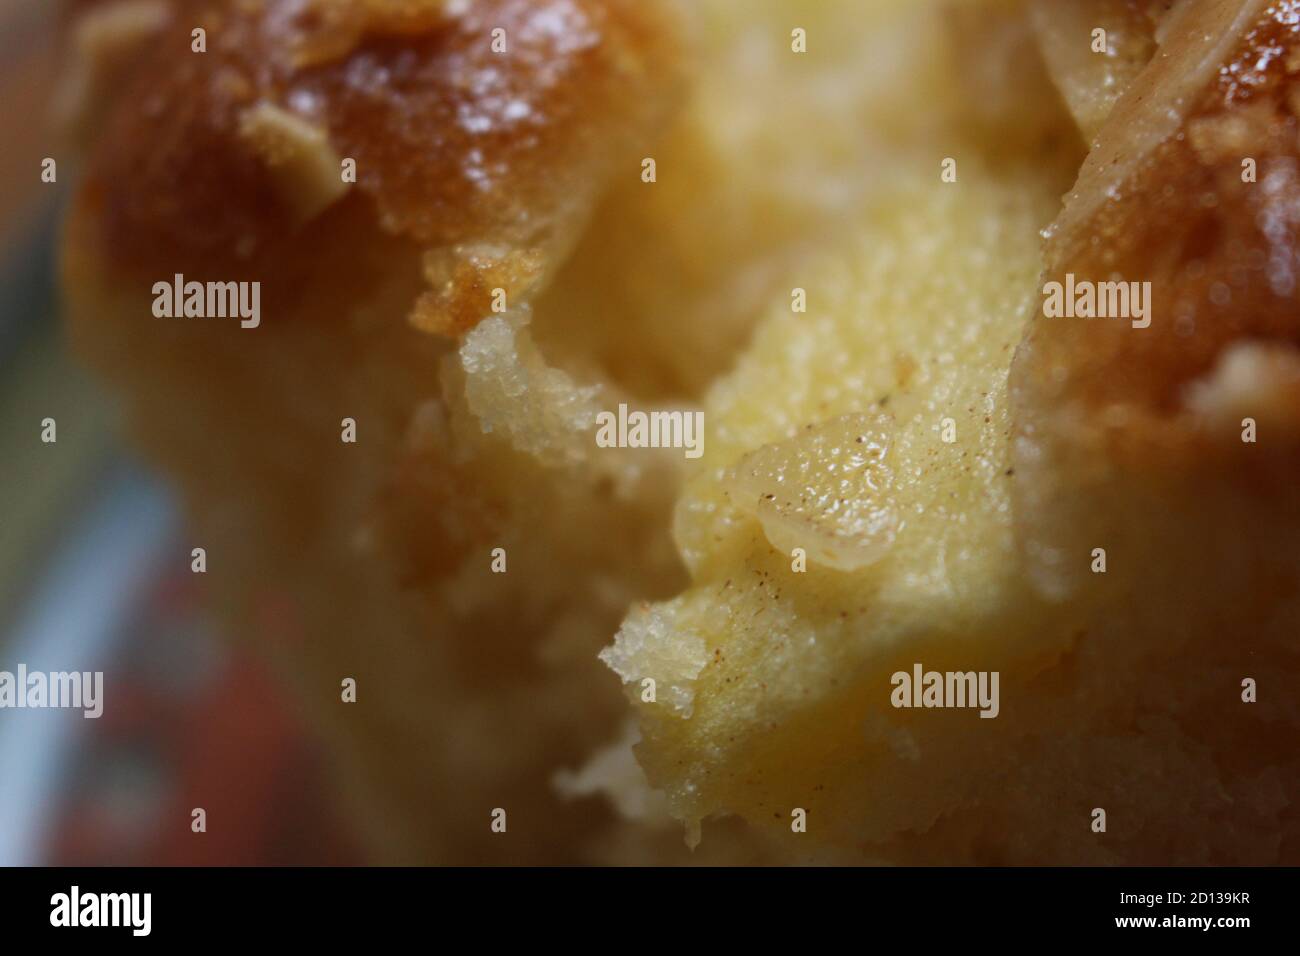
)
(1258, 380)
(306, 170)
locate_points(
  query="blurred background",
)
(93, 576)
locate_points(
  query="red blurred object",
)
(194, 724)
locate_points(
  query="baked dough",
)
(911, 475)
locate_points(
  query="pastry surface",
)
(913, 465)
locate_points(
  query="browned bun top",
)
(1164, 198)
(480, 131)
(1191, 188)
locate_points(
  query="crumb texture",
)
(914, 466)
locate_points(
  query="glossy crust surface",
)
(486, 160)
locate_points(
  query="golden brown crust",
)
(456, 144)
(1166, 197)
(321, 31)
(1220, 252)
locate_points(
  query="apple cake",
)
(958, 576)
